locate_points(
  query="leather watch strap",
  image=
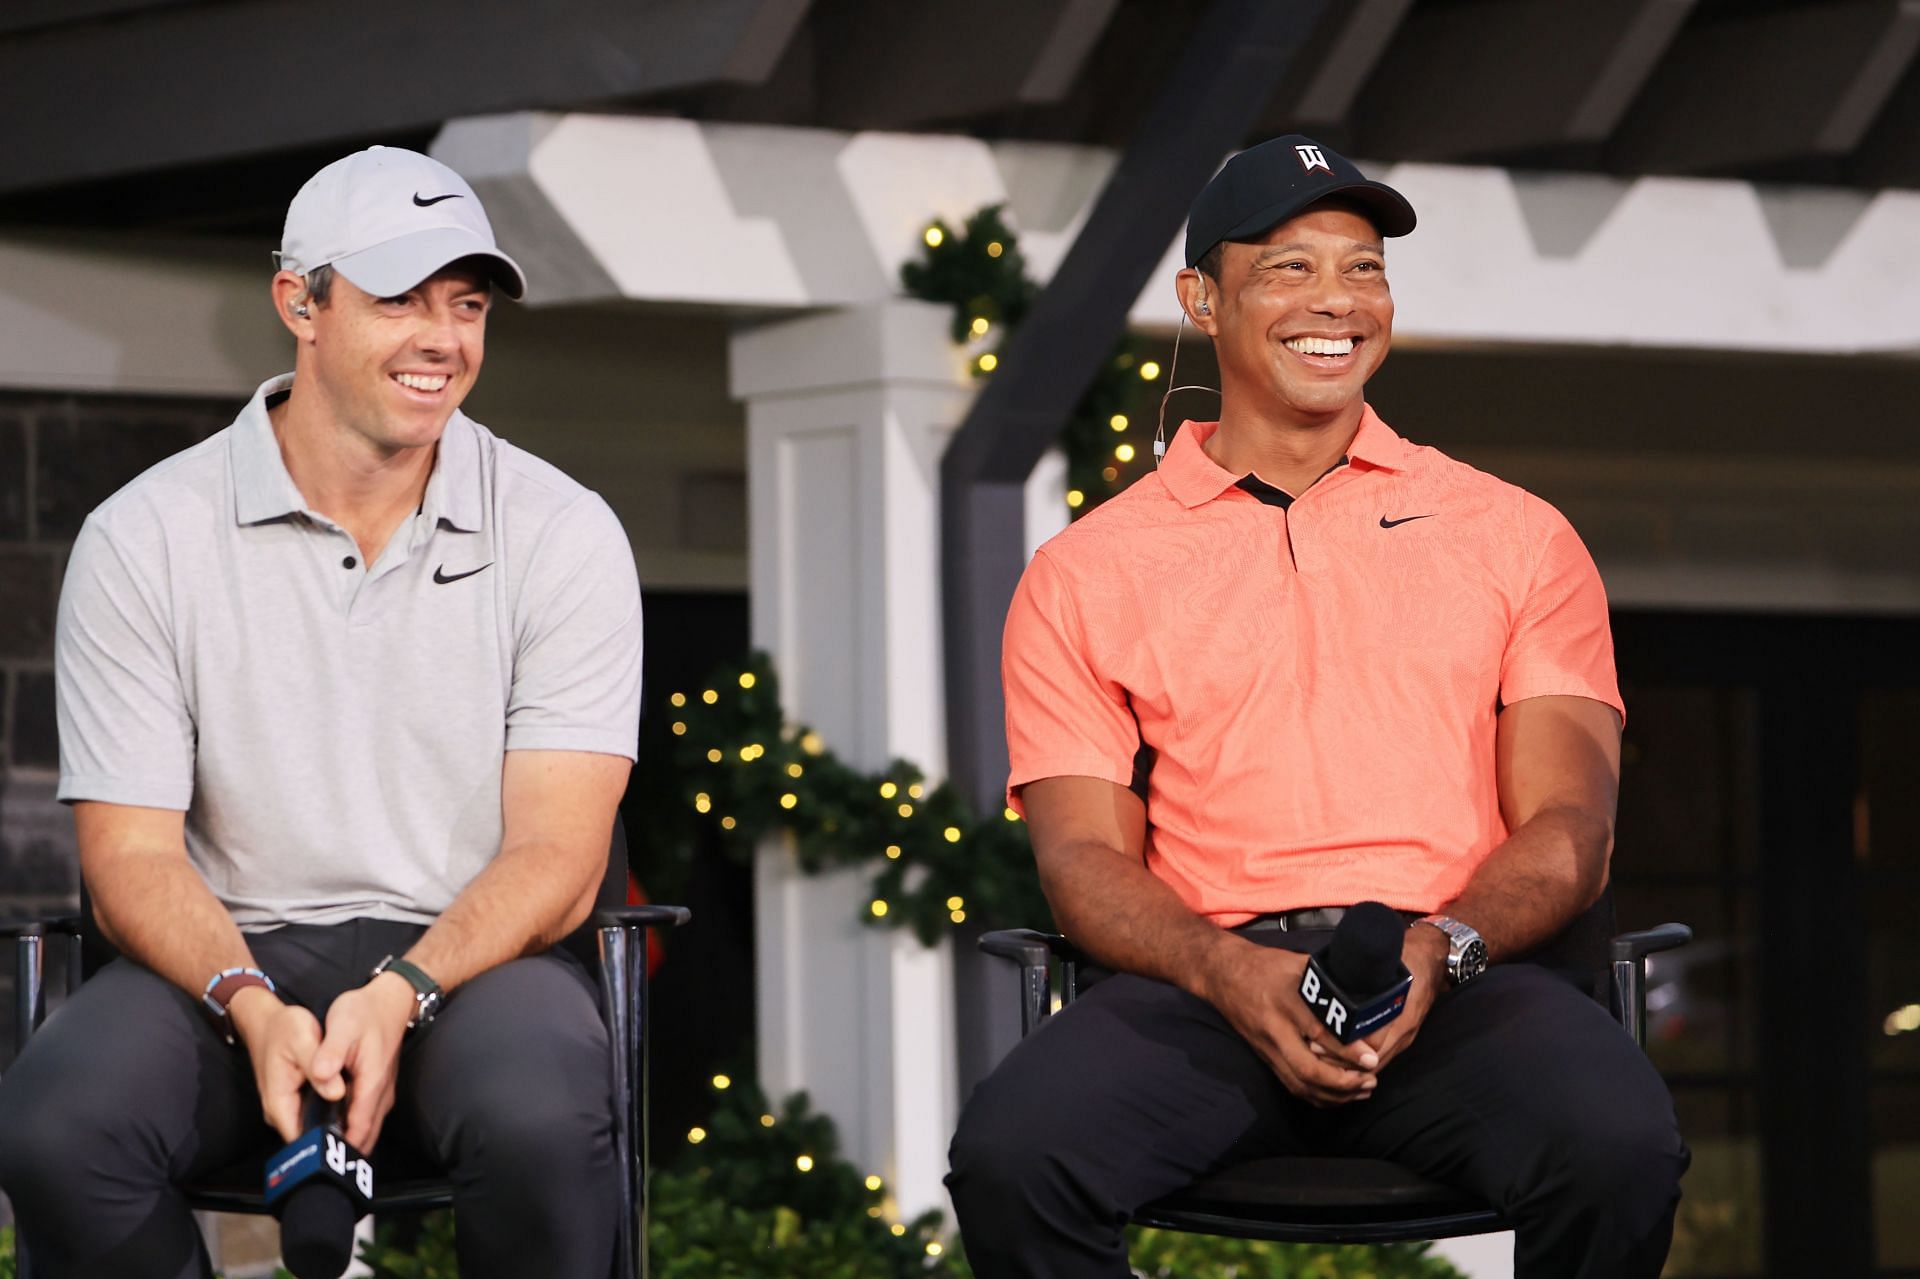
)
(427, 995)
(415, 975)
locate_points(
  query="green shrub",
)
(1168, 1254)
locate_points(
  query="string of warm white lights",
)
(934, 865)
(980, 272)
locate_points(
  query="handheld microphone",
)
(318, 1186)
(1356, 984)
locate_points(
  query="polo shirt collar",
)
(1195, 479)
(263, 490)
(453, 490)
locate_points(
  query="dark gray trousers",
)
(1519, 1088)
(128, 1091)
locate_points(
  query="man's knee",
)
(523, 1123)
(50, 1129)
(1615, 1157)
(550, 1140)
(33, 1121)
(1625, 1163)
(1013, 1150)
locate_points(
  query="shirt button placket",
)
(352, 570)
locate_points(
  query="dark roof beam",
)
(1768, 88)
(1480, 80)
(1208, 100)
(1332, 81)
(169, 85)
(24, 15)
(1889, 156)
(893, 66)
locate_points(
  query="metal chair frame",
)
(1319, 1199)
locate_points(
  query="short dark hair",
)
(1209, 263)
(319, 282)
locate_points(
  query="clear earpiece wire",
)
(1173, 378)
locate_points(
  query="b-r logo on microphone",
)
(1328, 1005)
(1312, 157)
(340, 1158)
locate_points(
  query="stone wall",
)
(60, 456)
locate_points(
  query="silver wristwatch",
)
(1466, 952)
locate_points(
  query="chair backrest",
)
(96, 952)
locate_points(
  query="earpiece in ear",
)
(301, 310)
(1204, 308)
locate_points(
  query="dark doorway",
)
(1769, 798)
(703, 993)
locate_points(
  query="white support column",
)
(848, 413)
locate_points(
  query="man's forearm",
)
(1125, 916)
(159, 912)
(1536, 883)
(519, 905)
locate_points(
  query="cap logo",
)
(425, 201)
(1311, 158)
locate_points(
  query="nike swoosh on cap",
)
(441, 575)
(423, 203)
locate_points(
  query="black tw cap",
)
(1265, 185)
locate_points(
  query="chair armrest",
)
(1032, 950)
(57, 925)
(641, 916)
(1029, 947)
(1629, 947)
(1024, 946)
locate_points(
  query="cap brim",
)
(1385, 207)
(390, 269)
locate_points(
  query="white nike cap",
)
(387, 218)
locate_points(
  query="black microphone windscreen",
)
(1364, 955)
(316, 1231)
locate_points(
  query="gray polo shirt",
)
(335, 732)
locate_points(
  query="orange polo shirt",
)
(1317, 677)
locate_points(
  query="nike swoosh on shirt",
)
(1404, 519)
(423, 202)
(441, 575)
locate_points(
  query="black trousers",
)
(1519, 1088)
(128, 1090)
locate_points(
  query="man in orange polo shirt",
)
(1359, 670)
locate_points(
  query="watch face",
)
(426, 1008)
(1473, 961)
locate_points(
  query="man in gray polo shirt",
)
(348, 696)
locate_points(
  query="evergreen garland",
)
(741, 768)
(980, 271)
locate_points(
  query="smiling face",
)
(392, 370)
(1300, 318)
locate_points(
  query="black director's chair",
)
(1344, 1199)
(613, 944)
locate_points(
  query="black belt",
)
(1313, 917)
